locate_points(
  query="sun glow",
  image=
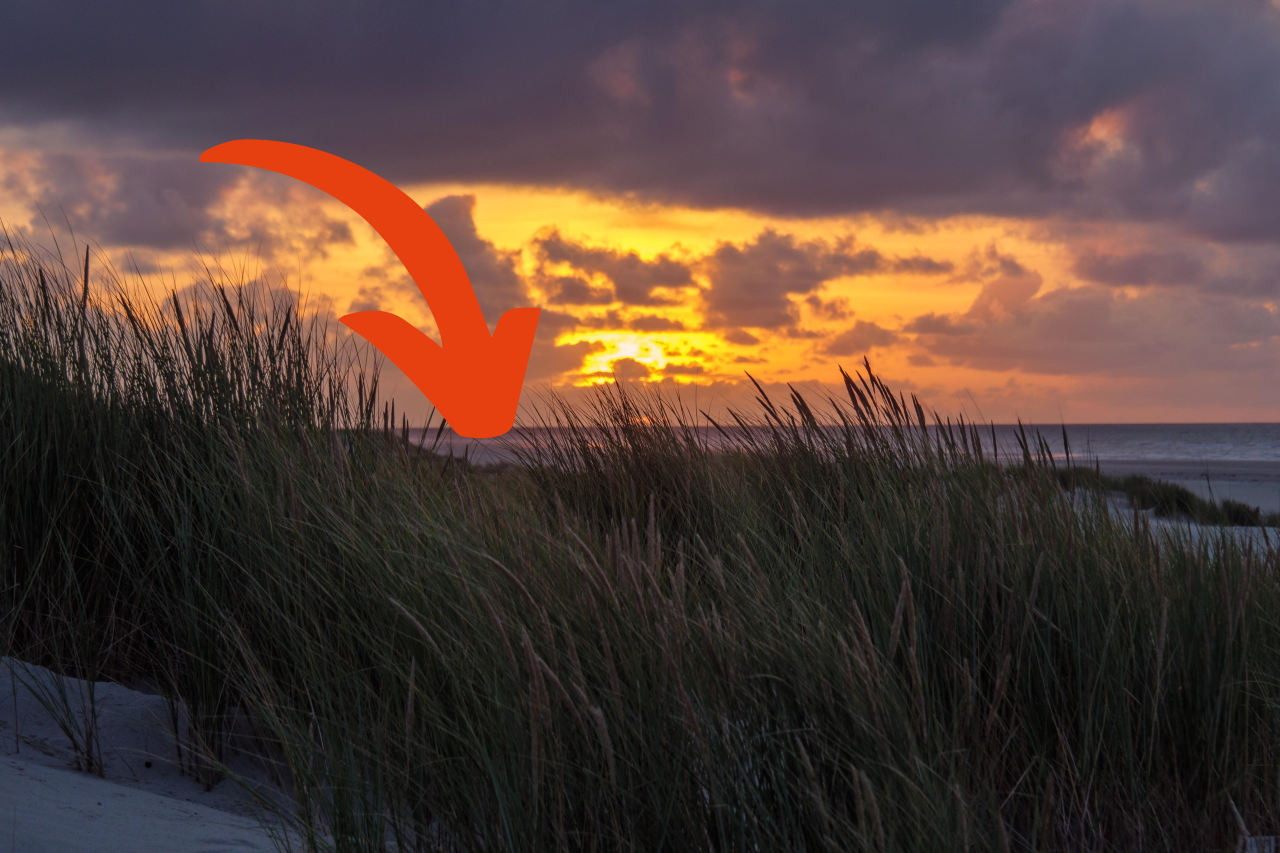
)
(312, 243)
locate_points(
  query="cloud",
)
(549, 362)
(920, 265)
(145, 202)
(1085, 114)
(650, 323)
(159, 202)
(860, 338)
(985, 264)
(369, 298)
(832, 309)
(660, 99)
(1120, 110)
(492, 271)
(574, 290)
(629, 368)
(633, 279)
(611, 319)
(935, 324)
(259, 296)
(751, 285)
(1004, 295)
(1097, 330)
(1247, 272)
(497, 282)
(552, 324)
(1139, 268)
(741, 337)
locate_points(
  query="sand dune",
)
(142, 802)
(57, 809)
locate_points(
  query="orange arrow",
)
(472, 378)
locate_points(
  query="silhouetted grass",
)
(842, 630)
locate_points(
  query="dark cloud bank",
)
(924, 106)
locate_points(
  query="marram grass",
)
(836, 629)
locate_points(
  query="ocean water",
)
(1162, 442)
(1216, 461)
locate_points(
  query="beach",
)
(141, 802)
(1254, 482)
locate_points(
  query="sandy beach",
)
(140, 803)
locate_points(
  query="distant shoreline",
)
(1255, 482)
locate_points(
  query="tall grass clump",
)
(117, 416)
(1170, 500)
(835, 627)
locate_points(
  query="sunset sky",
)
(1058, 210)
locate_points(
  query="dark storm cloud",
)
(751, 284)
(633, 278)
(925, 106)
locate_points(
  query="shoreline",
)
(1255, 482)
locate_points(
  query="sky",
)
(1046, 210)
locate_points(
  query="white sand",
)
(1260, 538)
(54, 809)
(48, 805)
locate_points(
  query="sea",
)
(1237, 461)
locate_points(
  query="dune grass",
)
(837, 630)
(1170, 500)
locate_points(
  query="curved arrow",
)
(472, 378)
